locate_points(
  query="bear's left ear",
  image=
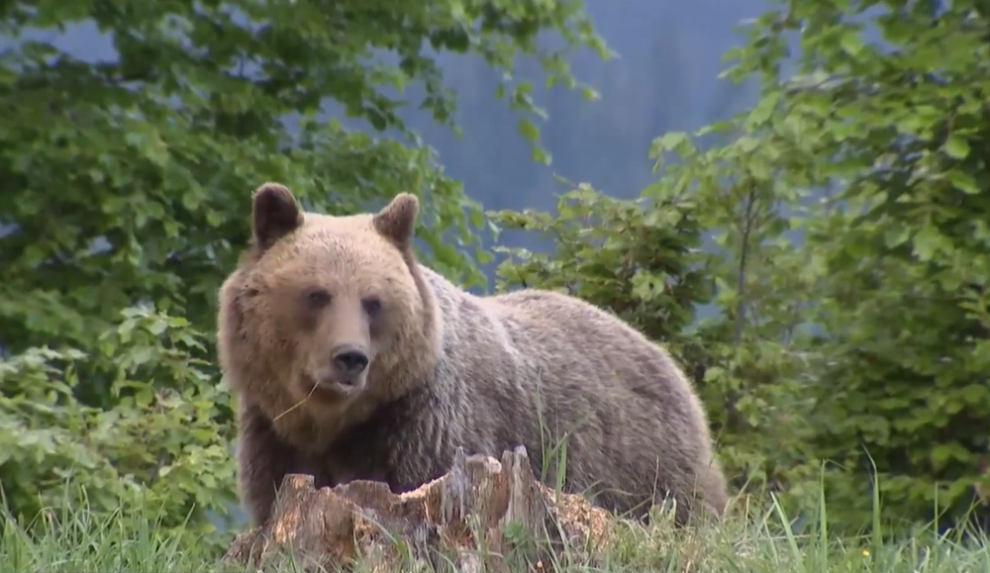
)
(397, 221)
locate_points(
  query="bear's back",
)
(535, 368)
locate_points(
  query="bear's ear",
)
(397, 221)
(276, 214)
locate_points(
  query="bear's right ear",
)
(276, 214)
(397, 221)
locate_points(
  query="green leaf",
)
(926, 243)
(852, 42)
(963, 181)
(590, 94)
(765, 109)
(957, 147)
(529, 130)
(541, 156)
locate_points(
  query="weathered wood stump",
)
(484, 515)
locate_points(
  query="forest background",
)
(815, 255)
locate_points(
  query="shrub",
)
(160, 447)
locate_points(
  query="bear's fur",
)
(443, 368)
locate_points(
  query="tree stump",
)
(483, 515)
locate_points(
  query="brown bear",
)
(352, 361)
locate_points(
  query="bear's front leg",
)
(263, 460)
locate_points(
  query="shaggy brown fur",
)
(352, 361)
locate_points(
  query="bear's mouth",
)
(333, 388)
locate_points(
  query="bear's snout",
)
(349, 360)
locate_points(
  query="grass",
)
(88, 543)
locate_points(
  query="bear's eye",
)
(318, 298)
(372, 306)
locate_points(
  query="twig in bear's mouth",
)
(296, 405)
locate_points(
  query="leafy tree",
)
(127, 182)
(899, 241)
(637, 258)
(152, 157)
(756, 367)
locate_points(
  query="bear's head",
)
(329, 315)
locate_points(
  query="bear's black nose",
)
(350, 360)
